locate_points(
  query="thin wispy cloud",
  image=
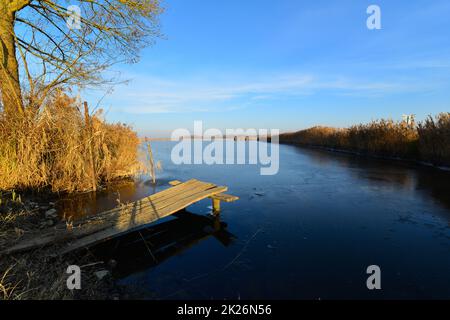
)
(158, 95)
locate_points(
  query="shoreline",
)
(368, 155)
(22, 213)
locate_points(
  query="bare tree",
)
(56, 43)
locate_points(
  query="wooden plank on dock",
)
(121, 220)
(221, 196)
(225, 197)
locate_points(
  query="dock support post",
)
(216, 223)
(216, 206)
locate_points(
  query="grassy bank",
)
(60, 149)
(41, 274)
(426, 141)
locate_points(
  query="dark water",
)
(308, 232)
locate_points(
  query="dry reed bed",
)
(59, 148)
(427, 141)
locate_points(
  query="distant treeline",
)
(427, 141)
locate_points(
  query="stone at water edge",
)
(52, 213)
(112, 263)
(101, 274)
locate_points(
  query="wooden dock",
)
(125, 218)
(160, 241)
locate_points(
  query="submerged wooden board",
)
(121, 220)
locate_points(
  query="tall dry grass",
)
(427, 141)
(56, 148)
(434, 139)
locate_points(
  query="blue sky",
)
(286, 64)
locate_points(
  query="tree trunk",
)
(11, 95)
